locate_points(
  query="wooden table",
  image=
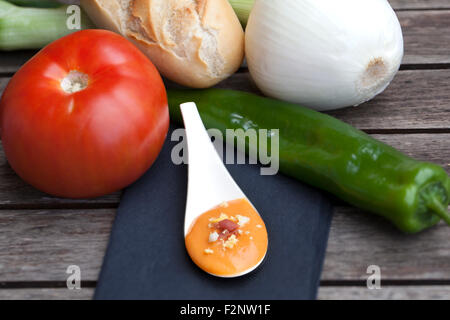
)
(40, 236)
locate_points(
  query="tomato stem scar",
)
(75, 81)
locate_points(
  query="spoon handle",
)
(209, 182)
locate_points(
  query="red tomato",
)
(89, 142)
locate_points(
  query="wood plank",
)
(325, 293)
(3, 83)
(419, 4)
(11, 61)
(416, 99)
(358, 240)
(385, 293)
(46, 294)
(425, 147)
(426, 35)
(39, 245)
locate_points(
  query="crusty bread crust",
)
(196, 43)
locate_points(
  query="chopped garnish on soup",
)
(219, 240)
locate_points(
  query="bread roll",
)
(196, 43)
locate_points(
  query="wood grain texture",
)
(425, 147)
(3, 83)
(419, 4)
(325, 293)
(385, 293)
(358, 240)
(46, 294)
(426, 36)
(11, 61)
(416, 99)
(39, 245)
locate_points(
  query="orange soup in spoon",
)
(228, 240)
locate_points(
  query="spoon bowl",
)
(209, 182)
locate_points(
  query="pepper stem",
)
(438, 208)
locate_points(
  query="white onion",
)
(323, 54)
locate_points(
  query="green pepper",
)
(332, 155)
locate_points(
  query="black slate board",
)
(146, 257)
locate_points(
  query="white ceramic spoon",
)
(209, 182)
